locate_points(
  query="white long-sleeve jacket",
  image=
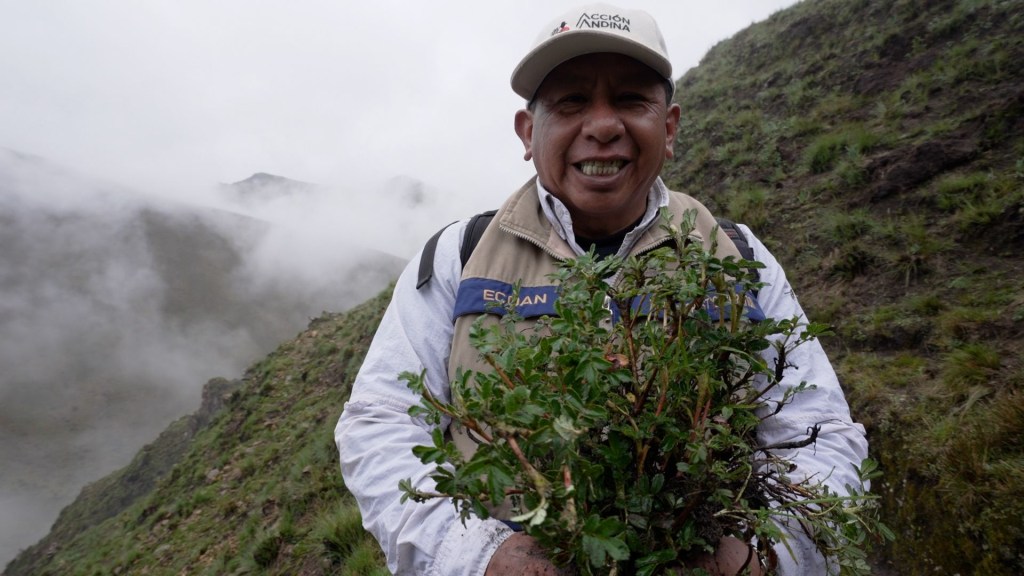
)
(375, 434)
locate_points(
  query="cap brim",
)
(539, 62)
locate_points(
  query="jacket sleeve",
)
(375, 434)
(841, 444)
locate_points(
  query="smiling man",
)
(598, 126)
(598, 129)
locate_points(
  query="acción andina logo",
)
(609, 21)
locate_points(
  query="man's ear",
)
(524, 129)
(671, 125)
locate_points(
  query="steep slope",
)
(256, 490)
(877, 147)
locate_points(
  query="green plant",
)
(973, 364)
(919, 249)
(851, 260)
(339, 530)
(266, 549)
(800, 94)
(826, 150)
(631, 448)
(823, 153)
(366, 559)
(751, 206)
(843, 227)
(957, 190)
(851, 172)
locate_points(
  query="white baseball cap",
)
(590, 29)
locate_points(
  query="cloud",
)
(169, 95)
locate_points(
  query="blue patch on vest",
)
(483, 296)
(751, 309)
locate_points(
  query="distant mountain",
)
(263, 187)
(875, 146)
(115, 308)
(408, 192)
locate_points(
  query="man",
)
(598, 126)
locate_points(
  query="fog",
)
(116, 307)
(129, 275)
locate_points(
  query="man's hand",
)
(520, 555)
(732, 558)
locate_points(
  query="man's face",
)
(598, 134)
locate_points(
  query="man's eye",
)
(573, 99)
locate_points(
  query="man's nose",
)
(603, 123)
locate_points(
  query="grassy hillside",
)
(877, 147)
(257, 490)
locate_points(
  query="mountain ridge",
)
(116, 308)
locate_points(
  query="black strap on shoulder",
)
(474, 230)
(427, 259)
(736, 235)
(477, 224)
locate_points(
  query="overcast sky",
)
(170, 96)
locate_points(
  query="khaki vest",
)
(522, 246)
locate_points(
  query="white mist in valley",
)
(116, 307)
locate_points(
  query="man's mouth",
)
(600, 167)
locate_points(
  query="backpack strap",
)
(736, 235)
(426, 271)
(474, 230)
(477, 224)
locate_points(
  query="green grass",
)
(258, 489)
(923, 288)
(851, 142)
(974, 364)
(751, 206)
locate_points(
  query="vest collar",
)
(559, 222)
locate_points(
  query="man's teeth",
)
(596, 168)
